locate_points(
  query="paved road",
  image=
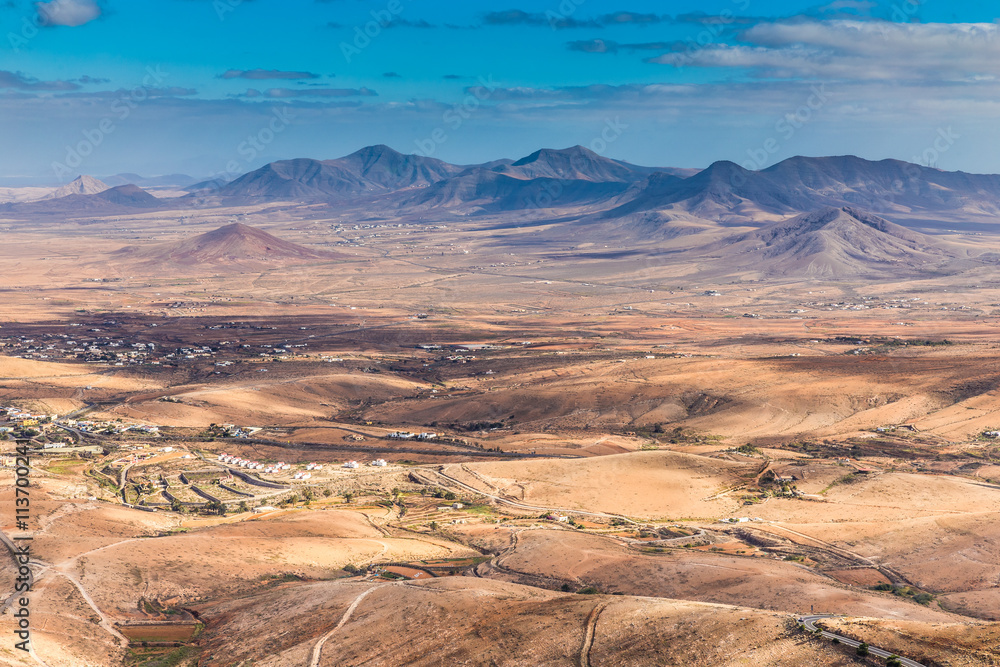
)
(810, 623)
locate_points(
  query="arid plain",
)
(589, 455)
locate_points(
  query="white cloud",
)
(67, 12)
(856, 50)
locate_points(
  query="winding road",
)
(810, 623)
(317, 651)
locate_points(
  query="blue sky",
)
(218, 87)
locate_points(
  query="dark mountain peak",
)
(574, 163)
(558, 154)
(375, 152)
(723, 169)
(128, 195)
(373, 170)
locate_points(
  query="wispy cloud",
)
(21, 81)
(557, 20)
(86, 78)
(288, 93)
(855, 50)
(610, 46)
(631, 18)
(150, 93)
(67, 12)
(263, 74)
(407, 23)
(563, 21)
(520, 17)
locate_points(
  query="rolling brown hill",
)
(832, 243)
(233, 246)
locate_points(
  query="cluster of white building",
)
(114, 427)
(19, 415)
(281, 465)
(234, 431)
(308, 475)
(404, 435)
(254, 465)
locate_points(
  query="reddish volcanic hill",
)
(236, 245)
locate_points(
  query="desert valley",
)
(563, 410)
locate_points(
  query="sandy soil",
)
(647, 484)
(468, 621)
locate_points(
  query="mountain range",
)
(824, 217)
(573, 181)
(370, 171)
